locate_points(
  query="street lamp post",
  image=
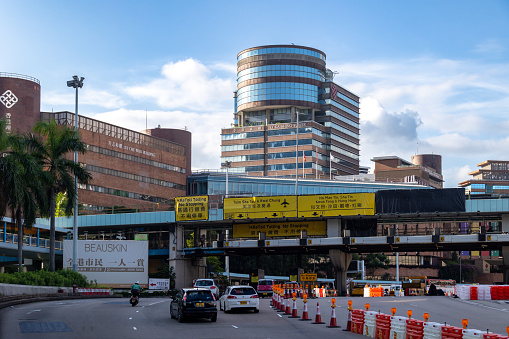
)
(227, 164)
(75, 83)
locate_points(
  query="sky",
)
(433, 76)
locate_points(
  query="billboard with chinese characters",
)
(192, 208)
(260, 207)
(113, 263)
(280, 229)
(332, 205)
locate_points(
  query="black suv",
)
(193, 302)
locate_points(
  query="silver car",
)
(239, 297)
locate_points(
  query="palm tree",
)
(22, 178)
(52, 150)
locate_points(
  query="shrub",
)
(64, 278)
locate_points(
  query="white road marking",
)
(158, 302)
(234, 326)
(34, 311)
(137, 311)
(279, 315)
(131, 318)
(135, 328)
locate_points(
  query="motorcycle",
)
(134, 300)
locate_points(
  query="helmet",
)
(137, 282)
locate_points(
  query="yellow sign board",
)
(332, 205)
(192, 208)
(260, 207)
(280, 229)
(308, 277)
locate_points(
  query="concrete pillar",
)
(2, 269)
(505, 269)
(341, 261)
(186, 269)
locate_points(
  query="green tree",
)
(52, 150)
(372, 261)
(23, 187)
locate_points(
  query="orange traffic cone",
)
(294, 308)
(305, 315)
(333, 322)
(318, 317)
(287, 309)
(349, 323)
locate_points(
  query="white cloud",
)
(490, 46)
(456, 174)
(187, 85)
(86, 96)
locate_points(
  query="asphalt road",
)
(115, 318)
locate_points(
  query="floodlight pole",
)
(297, 155)
(75, 83)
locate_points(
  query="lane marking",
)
(158, 302)
(279, 315)
(34, 311)
(135, 328)
(234, 326)
(130, 318)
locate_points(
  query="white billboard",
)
(114, 263)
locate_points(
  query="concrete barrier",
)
(11, 289)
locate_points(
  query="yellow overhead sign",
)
(308, 277)
(192, 208)
(280, 229)
(332, 205)
(260, 207)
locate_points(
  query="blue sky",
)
(433, 76)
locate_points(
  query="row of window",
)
(131, 176)
(259, 145)
(344, 152)
(285, 70)
(341, 129)
(342, 118)
(272, 50)
(344, 97)
(235, 188)
(338, 105)
(121, 193)
(277, 91)
(344, 141)
(135, 158)
(66, 118)
(270, 156)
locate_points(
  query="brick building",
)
(424, 169)
(132, 170)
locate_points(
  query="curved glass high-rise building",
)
(278, 86)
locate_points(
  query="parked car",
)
(208, 284)
(239, 297)
(193, 303)
(265, 287)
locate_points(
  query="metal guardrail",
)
(29, 240)
(19, 76)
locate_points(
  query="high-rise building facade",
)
(278, 87)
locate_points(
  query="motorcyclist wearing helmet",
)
(136, 289)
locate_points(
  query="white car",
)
(209, 284)
(240, 297)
